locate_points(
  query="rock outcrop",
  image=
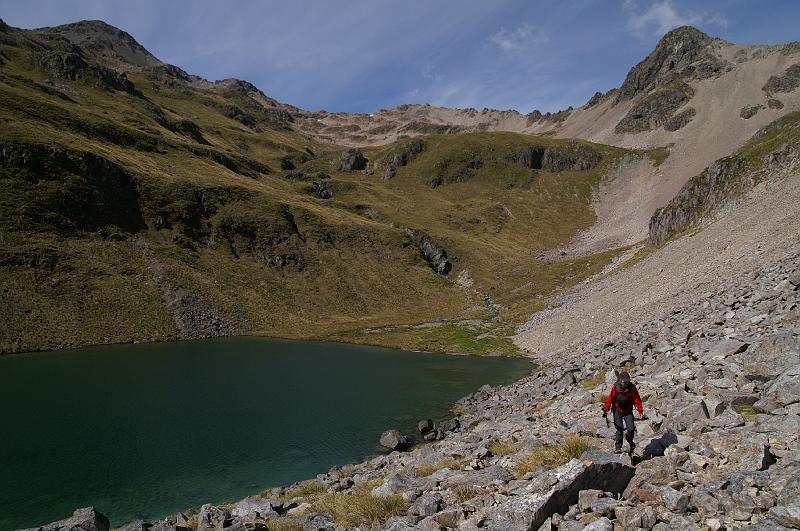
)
(728, 177)
(786, 82)
(656, 108)
(352, 160)
(87, 519)
(433, 253)
(394, 440)
(683, 53)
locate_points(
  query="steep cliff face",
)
(772, 152)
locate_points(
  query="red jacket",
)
(633, 399)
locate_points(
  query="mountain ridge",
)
(238, 196)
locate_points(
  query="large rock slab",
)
(783, 391)
(213, 517)
(595, 470)
(477, 478)
(249, 509)
(394, 440)
(86, 519)
(787, 512)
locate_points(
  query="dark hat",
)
(624, 377)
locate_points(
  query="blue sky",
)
(362, 55)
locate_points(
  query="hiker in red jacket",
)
(622, 398)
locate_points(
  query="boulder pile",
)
(720, 381)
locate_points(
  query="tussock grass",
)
(426, 469)
(306, 489)
(599, 378)
(552, 456)
(747, 411)
(361, 508)
(501, 448)
(465, 493)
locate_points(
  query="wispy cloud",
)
(521, 37)
(660, 17)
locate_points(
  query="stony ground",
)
(720, 380)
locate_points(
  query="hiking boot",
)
(631, 448)
(617, 450)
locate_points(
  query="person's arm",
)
(610, 399)
(637, 401)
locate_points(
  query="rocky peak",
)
(247, 89)
(103, 43)
(684, 52)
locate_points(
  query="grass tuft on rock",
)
(552, 456)
(465, 493)
(360, 508)
(306, 489)
(599, 378)
(426, 469)
(501, 448)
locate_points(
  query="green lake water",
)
(143, 431)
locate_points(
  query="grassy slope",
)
(358, 272)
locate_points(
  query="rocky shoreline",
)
(720, 380)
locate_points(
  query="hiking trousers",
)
(623, 423)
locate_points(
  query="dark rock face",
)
(786, 82)
(71, 65)
(697, 197)
(87, 519)
(406, 153)
(748, 111)
(656, 108)
(533, 117)
(323, 189)
(103, 43)
(434, 254)
(169, 75)
(266, 232)
(773, 103)
(394, 440)
(352, 160)
(682, 53)
(64, 65)
(235, 113)
(72, 190)
(596, 98)
(680, 120)
(722, 179)
(574, 156)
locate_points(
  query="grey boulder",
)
(394, 440)
(86, 519)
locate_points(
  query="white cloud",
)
(660, 17)
(521, 37)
